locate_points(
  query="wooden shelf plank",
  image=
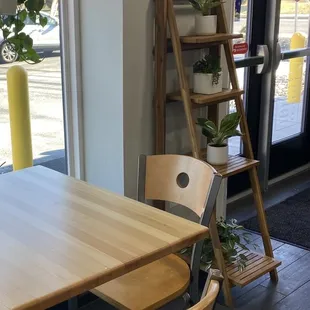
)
(216, 38)
(200, 42)
(236, 164)
(257, 266)
(200, 100)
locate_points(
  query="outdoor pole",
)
(18, 95)
(294, 90)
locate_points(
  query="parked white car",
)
(45, 40)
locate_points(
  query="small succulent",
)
(228, 129)
(209, 65)
(205, 6)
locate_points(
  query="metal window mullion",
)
(268, 91)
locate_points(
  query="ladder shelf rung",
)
(236, 164)
(200, 100)
(216, 38)
(199, 42)
(256, 266)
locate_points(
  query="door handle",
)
(301, 52)
(263, 51)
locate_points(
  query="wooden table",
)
(60, 237)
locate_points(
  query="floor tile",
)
(298, 300)
(292, 277)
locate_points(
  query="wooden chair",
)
(210, 292)
(185, 181)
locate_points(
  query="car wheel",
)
(7, 53)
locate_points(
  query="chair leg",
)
(220, 260)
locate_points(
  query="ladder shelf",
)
(258, 264)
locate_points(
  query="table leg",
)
(73, 303)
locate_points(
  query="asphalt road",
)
(286, 25)
(46, 110)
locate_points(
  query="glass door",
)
(274, 76)
(290, 116)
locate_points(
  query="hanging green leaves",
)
(12, 28)
(205, 6)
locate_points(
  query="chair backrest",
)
(183, 180)
(179, 179)
(210, 292)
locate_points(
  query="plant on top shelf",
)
(208, 75)
(205, 23)
(217, 149)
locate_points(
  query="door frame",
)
(269, 154)
(261, 90)
(70, 44)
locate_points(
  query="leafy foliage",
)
(228, 129)
(209, 65)
(12, 28)
(204, 6)
(231, 241)
(232, 238)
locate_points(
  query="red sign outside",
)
(240, 48)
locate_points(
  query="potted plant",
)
(232, 237)
(205, 22)
(217, 149)
(11, 26)
(208, 77)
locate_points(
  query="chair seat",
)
(148, 287)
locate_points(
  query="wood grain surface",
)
(60, 237)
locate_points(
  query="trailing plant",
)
(205, 6)
(12, 28)
(228, 129)
(209, 65)
(232, 241)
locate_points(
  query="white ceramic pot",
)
(204, 84)
(205, 25)
(217, 155)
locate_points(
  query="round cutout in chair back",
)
(183, 180)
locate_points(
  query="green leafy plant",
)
(233, 240)
(205, 6)
(228, 129)
(209, 65)
(12, 28)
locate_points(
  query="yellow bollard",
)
(296, 70)
(17, 81)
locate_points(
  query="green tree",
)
(12, 27)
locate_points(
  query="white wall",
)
(101, 24)
(138, 86)
(117, 75)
